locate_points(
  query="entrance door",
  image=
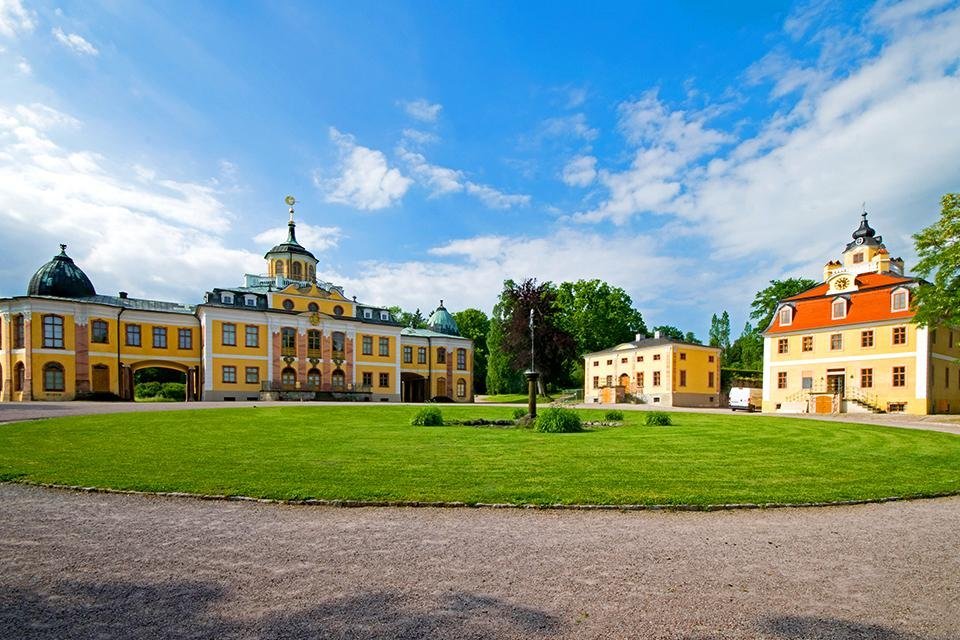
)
(101, 378)
(835, 383)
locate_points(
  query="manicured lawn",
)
(371, 453)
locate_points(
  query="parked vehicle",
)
(745, 398)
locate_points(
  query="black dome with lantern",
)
(62, 278)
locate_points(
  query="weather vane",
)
(290, 200)
(863, 209)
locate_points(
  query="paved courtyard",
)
(76, 565)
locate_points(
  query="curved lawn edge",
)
(350, 504)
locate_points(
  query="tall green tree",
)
(555, 347)
(938, 247)
(597, 315)
(675, 333)
(764, 304)
(502, 376)
(407, 319)
(474, 324)
(746, 352)
(720, 331)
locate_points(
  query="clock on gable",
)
(841, 283)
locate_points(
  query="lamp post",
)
(532, 375)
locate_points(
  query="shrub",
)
(657, 419)
(428, 417)
(519, 412)
(558, 420)
(613, 415)
(147, 390)
(173, 391)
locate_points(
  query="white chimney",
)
(656, 334)
(638, 337)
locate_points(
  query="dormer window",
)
(786, 316)
(384, 315)
(368, 313)
(899, 300)
(250, 301)
(226, 298)
(839, 309)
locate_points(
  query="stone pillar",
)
(326, 353)
(532, 377)
(27, 360)
(301, 358)
(348, 360)
(277, 365)
(450, 381)
(82, 360)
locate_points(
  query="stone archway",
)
(191, 376)
(413, 387)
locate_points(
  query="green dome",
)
(291, 245)
(442, 322)
(61, 277)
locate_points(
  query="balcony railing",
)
(288, 351)
(275, 385)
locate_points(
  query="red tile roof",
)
(812, 309)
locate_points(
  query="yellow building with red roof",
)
(850, 344)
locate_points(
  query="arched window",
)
(288, 304)
(899, 300)
(53, 378)
(441, 386)
(441, 355)
(839, 309)
(278, 268)
(313, 379)
(18, 377)
(311, 273)
(786, 316)
(339, 340)
(288, 341)
(313, 306)
(461, 388)
(337, 379)
(53, 332)
(338, 310)
(288, 377)
(296, 271)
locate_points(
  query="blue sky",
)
(687, 152)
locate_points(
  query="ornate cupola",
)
(62, 278)
(442, 322)
(866, 253)
(290, 260)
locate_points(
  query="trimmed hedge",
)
(614, 414)
(657, 419)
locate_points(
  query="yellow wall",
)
(240, 349)
(633, 361)
(852, 358)
(375, 356)
(302, 300)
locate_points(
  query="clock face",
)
(859, 240)
(841, 283)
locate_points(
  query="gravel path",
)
(76, 565)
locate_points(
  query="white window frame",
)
(226, 298)
(786, 311)
(368, 314)
(906, 299)
(833, 308)
(250, 301)
(384, 315)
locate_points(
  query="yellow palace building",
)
(849, 344)
(282, 335)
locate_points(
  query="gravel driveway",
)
(75, 565)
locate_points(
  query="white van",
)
(745, 398)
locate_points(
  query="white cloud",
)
(366, 181)
(580, 171)
(440, 180)
(496, 199)
(421, 109)
(75, 43)
(572, 126)
(170, 230)
(314, 238)
(474, 270)
(418, 137)
(15, 19)
(23, 66)
(443, 181)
